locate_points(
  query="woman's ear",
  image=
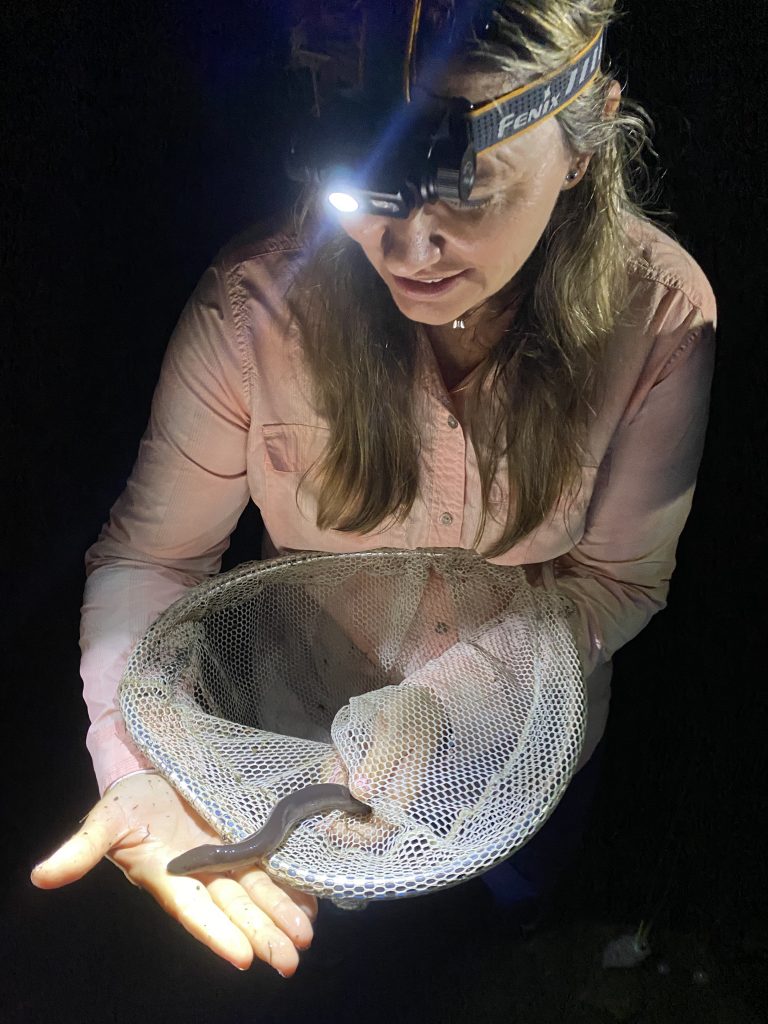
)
(613, 100)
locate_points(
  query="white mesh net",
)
(443, 690)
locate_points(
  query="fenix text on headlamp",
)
(368, 157)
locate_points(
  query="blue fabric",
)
(529, 876)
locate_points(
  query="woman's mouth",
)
(430, 288)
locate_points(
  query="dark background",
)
(139, 137)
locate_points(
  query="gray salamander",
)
(284, 815)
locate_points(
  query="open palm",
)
(140, 825)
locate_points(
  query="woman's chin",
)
(430, 313)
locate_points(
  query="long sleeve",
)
(611, 548)
(618, 574)
(171, 526)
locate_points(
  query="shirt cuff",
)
(113, 753)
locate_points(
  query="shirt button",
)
(453, 422)
(446, 518)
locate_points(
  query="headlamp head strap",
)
(529, 105)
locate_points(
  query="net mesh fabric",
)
(445, 691)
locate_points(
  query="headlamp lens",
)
(343, 202)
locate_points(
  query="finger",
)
(360, 833)
(79, 854)
(305, 901)
(187, 900)
(268, 942)
(284, 906)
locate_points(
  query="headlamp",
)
(373, 156)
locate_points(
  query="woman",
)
(546, 407)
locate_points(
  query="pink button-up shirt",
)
(232, 421)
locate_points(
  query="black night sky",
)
(138, 138)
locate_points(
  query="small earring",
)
(572, 176)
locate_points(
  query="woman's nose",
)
(411, 244)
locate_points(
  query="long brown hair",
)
(544, 374)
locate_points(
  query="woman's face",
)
(487, 240)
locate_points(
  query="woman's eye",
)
(469, 204)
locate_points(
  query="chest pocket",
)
(289, 506)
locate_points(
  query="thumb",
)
(78, 854)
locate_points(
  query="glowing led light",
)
(343, 202)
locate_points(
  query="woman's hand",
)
(396, 751)
(140, 825)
